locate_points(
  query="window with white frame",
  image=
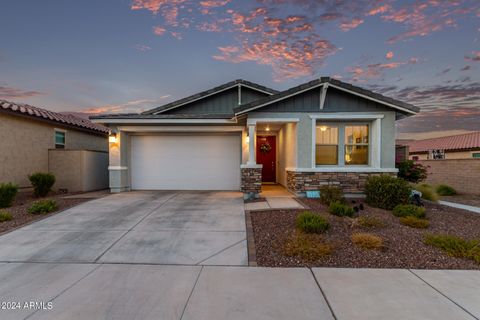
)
(59, 139)
(342, 144)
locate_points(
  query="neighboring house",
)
(240, 135)
(37, 140)
(462, 146)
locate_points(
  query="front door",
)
(266, 155)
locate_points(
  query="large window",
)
(326, 145)
(59, 139)
(342, 144)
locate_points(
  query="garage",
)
(185, 162)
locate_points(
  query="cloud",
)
(466, 68)
(376, 70)
(15, 93)
(159, 31)
(142, 47)
(475, 56)
(352, 24)
(214, 3)
(134, 106)
(389, 55)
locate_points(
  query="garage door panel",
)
(185, 162)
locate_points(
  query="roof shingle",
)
(48, 115)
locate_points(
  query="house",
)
(38, 140)
(462, 146)
(241, 134)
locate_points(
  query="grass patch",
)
(405, 210)
(428, 193)
(43, 207)
(5, 216)
(309, 247)
(445, 190)
(367, 240)
(340, 209)
(414, 222)
(455, 246)
(310, 222)
(370, 222)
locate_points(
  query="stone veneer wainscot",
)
(251, 181)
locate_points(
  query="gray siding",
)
(249, 95)
(336, 101)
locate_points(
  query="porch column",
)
(118, 165)
(251, 144)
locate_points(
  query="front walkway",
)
(274, 196)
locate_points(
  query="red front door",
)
(266, 155)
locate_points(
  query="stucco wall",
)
(448, 155)
(286, 151)
(24, 145)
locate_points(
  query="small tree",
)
(412, 171)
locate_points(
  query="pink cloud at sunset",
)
(7, 92)
(389, 55)
(475, 56)
(159, 31)
(352, 24)
(133, 106)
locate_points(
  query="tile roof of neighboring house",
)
(209, 92)
(42, 114)
(457, 142)
(315, 83)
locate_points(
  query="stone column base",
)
(251, 180)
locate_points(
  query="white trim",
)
(114, 168)
(254, 121)
(256, 89)
(55, 130)
(314, 142)
(181, 128)
(358, 169)
(323, 95)
(162, 121)
(251, 166)
(239, 95)
(373, 99)
(348, 116)
(279, 99)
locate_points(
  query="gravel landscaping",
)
(403, 246)
(24, 200)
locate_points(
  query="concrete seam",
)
(224, 249)
(444, 295)
(323, 294)
(191, 293)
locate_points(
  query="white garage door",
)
(185, 162)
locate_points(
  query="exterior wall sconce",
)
(112, 138)
(247, 139)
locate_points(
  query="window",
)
(59, 139)
(476, 155)
(342, 144)
(326, 145)
(415, 158)
(356, 145)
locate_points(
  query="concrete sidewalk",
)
(127, 291)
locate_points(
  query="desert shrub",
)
(367, 240)
(411, 171)
(5, 216)
(309, 247)
(310, 222)
(404, 210)
(329, 194)
(42, 207)
(428, 193)
(42, 183)
(445, 190)
(386, 192)
(8, 191)
(455, 246)
(340, 209)
(370, 222)
(414, 222)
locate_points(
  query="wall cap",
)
(344, 169)
(251, 166)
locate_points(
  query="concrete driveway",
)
(186, 228)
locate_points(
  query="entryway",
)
(274, 196)
(267, 157)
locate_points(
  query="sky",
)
(114, 56)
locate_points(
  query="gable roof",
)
(210, 92)
(47, 115)
(456, 142)
(393, 103)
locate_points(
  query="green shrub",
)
(8, 191)
(309, 247)
(340, 209)
(414, 222)
(455, 246)
(445, 190)
(5, 216)
(329, 194)
(428, 193)
(404, 210)
(42, 207)
(370, 222)
(367, 240)
(42, 183)
(386, 192)
(411, 171)
(312, 223)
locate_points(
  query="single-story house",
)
(461, 146)
(241, 134)
(33, 139)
